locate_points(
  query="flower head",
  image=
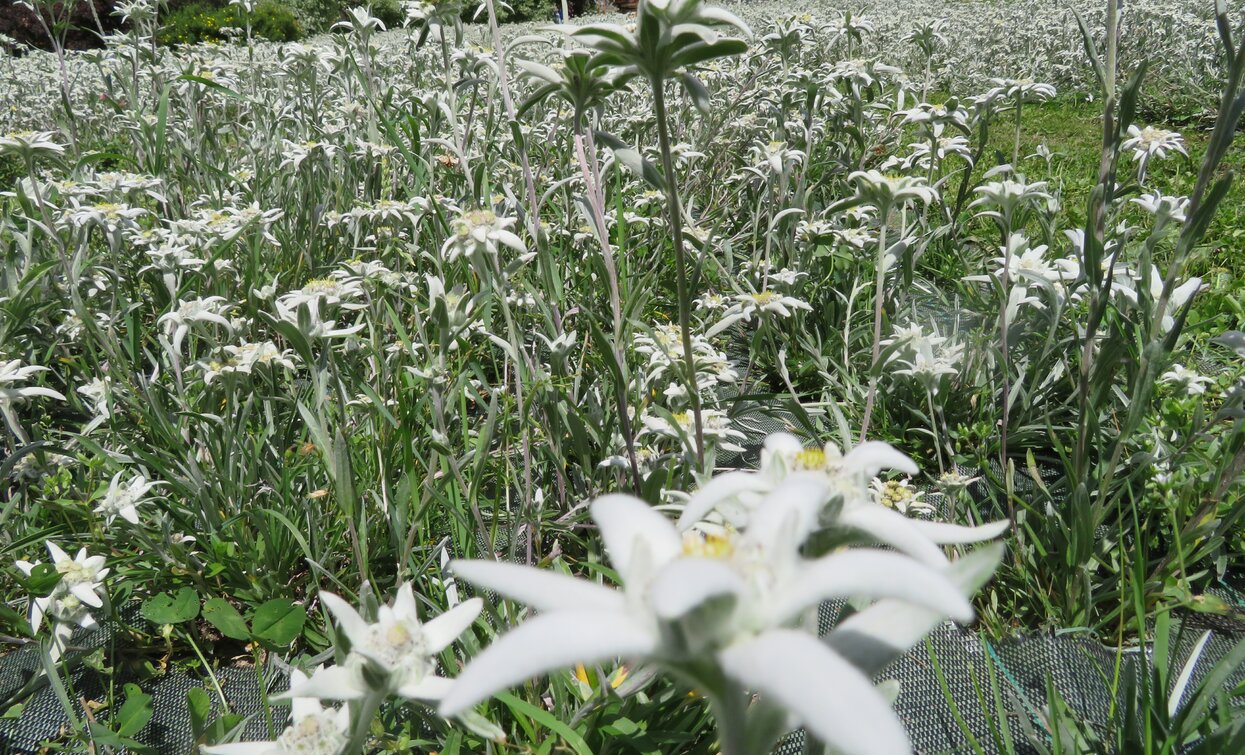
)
(122, 500)
(481, 232)
(721, 606)
(396, 653)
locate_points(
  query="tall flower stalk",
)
(671, 36)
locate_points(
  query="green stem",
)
(676, 231)
(362, 722)
(730, 712)
(1016, 148)
(879, 284)
(933, 426)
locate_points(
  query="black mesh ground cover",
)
(956, 713)
(43, 718)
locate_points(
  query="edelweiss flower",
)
(1150, 142)
(885, 191)
(1020, 90)
(480, 232)
(336, 292)
(245, 356)
(761, 303)
(98, 392)
(900, 496)
(666, 360)
(24, 143)
(715, 427)
(1179, 297)
(1191, 381)
(929, 366)
(723, 604)
(1165, 209)
(313, 730)
(80, 588)
(177, 323)
(397, 654)
(1024, 265)
(737, 496)
(1009, 195)
(12, 372)
(123, 500)
(776, 158)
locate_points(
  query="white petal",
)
(510, 240)
(877, 635)
(304, 707)
(893, 529)
(37, 391)
(873, 456)
(826, 693)
(244, 748)
(783, 443)
(687, 583)
(37, 608)
(717, 490)
(404, 603)
(788, 515)
(624, 520)
(446, 628)
(85, 592)
(1181, 295)
(541, 589)
(57, 554)
(874, 575)
(331, 683)
(349, 619)
(944, 533)
(547, 642)
(725, 323)
(431, 688)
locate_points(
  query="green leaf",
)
(102, 735)
(200, 707)
(210, 84)
(135, 711)
(172, 609)
(572, 737)
(42, 580)
(222, 615)
(278, 622)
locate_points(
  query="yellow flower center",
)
(322, 286)
(708, 544)
(811, 459)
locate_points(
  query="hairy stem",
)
(675, 211)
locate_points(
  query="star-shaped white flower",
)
(397, 653)
(122, 500)
(713, 599)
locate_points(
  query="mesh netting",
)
(43, 717)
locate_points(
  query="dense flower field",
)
(437, 359)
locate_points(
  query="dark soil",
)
(81, 30)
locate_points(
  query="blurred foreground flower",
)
(729, 612)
